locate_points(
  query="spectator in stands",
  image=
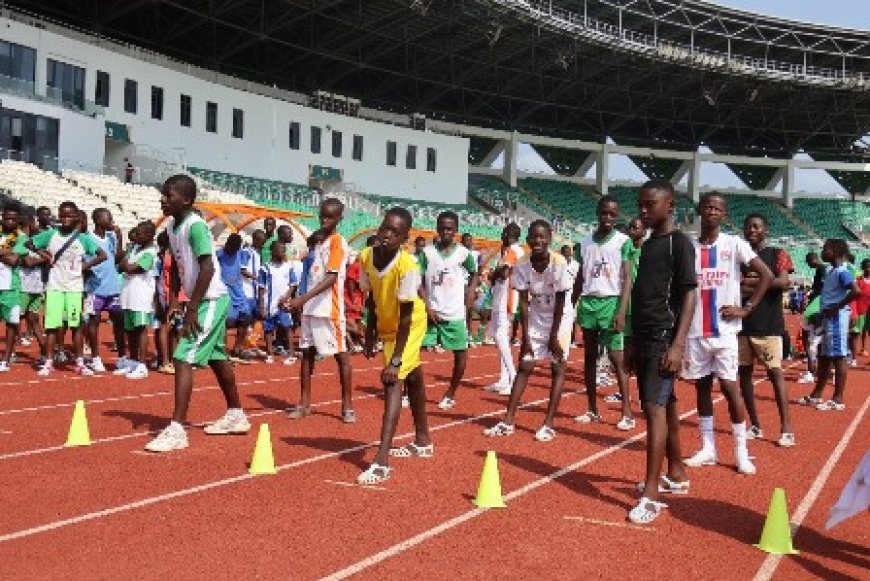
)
(266, 250)
(129, 171)
(276, 283)
(203, 334)
(445, 267)
(12, 250)
(761, 336)
(103, 290)
(504, 306)
(65, 249)
(137, 297)
(322, 306)
(232, 257)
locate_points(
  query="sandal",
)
(348, 416)
(668, 486)
(374, 474)
(807, 400)
(545, 434)
(299, 412)
(498, 430)
(646, 511)
(588, 418)
(412, 450)
(830, 405)
(446, 403)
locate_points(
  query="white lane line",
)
(403, 546)
(608, 523)
(768, 567)
(357, 486)
(36, 451)
(11, 536)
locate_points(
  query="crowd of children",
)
(708, 309)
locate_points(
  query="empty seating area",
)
(472, 218)
(742, 205)
(129, 203)
(828, 216)
(572, 201)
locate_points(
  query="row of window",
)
(357, 149)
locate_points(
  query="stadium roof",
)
(668, 73)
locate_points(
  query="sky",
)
(848, 13)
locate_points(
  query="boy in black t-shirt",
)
(761, 336)
(662, 310)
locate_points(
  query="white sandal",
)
(499, 430)
(374, 474)
(412, 450)
(446, 403)
(642, 514)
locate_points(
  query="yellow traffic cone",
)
(489, 489)
(79, 435)
(776, 536)
(263, 462)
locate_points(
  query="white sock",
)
(508, 371)
(708, 437)
(740, 449)
(176, 426)
(236, 412)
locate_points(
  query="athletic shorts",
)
(768, 350)
(324, 334)
(279, 319)
(95, 304)
(540, 342)
(30, 302)
(210, 343)
(411, 354)
(10, 306)
(711, 356)
(239, 314)
(63, 306)
(452, 335)
(835, 338)
(137, 319)
(655, 386)
(597, 314)
(860, 323)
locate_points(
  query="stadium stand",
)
(572, 201)
(828, 217)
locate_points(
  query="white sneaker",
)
(229, 423)
(446, 403)
(171, 438)
(84, 370)
(745, 465)
(405, 401)
(45, 370)
(625, 424)
(290, 360)
(495, 387)
(506, 390)
(4, 367)
(97, 365)
(123, 366)
(703, 457)
(138, 372)
(853, 363)
(270, 359)
(806, 378)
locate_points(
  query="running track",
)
(111, 510)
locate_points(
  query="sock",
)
(176, 426)
(708, 438)
(740, 449)
(236, 412)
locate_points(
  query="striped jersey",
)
(505, 298)
(330, 256)
(718, 269)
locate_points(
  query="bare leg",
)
(305, 372)
(842, 369)
(704, 391)
(824, 370)
(676, 468)
(226, 378)
(747, 390)
(780, 391)
(616, 360)
(735, 402)
(392, 407)
(344, 377)
(79, 342)
(11, 338)
(520, 381)
(590, 368)
(460, 358)
(183, 389)
(558, 372)
(417, 396)
(656, 445)
(117, 319)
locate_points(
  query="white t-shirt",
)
(329, 256)
(188, 241)
(504, 297)
(66, 273)
(252, 265)
(573, 267)
(277, 280)
(31, 277)
(601, 264)
(542, 288)
(718, 268)
(445, 276)
(137, 290)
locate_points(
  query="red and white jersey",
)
(718, 268)
(330, 256)
(505, 298)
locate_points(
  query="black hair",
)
(333, 202)
(811, 255)
(12, 206)
(513, 230)
(448, 215)
(660, 185)
(183, 184)
(401, 213)
(419, 239)
(235, 238)
(838, 246)
(67, 204)
(865, 263)
(608, 199)
(540, 224)
(283, 228)
(43, 209)
(163, 238)
(756, 216)
(850, 257)
(315, 238)
(267, 218)
(97, 212)
(258, 232)
(147, 225)
(709, 196)
(464, 234)
(635, 219)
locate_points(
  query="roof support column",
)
(586, 165)
(602, 169)
(694, 171)
(493, 154)
(788, 185)
(511, 149)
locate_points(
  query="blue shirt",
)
(838, 282)
(104, 280)
(307, 261)
(231, 274)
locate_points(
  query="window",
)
(336, 144)
(156, 102)
(66, 83)
(315, 139)
(295, 134)
(391, 153)
(18, 62)
(238, 123)
(101, 91)
(131, 97)
(185, 111)
(431, 159)
(411, 157)
(211, 117)
(357, 147)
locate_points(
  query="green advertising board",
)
(320, 172)
(117, 132)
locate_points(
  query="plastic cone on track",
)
(263, 462)
(79, 435)
(489, 489)
(776, 536)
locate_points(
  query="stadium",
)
(274, 105)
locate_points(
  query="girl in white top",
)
(504, 305)
(137, 298)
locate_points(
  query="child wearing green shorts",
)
(11, 250)
(137, 298)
